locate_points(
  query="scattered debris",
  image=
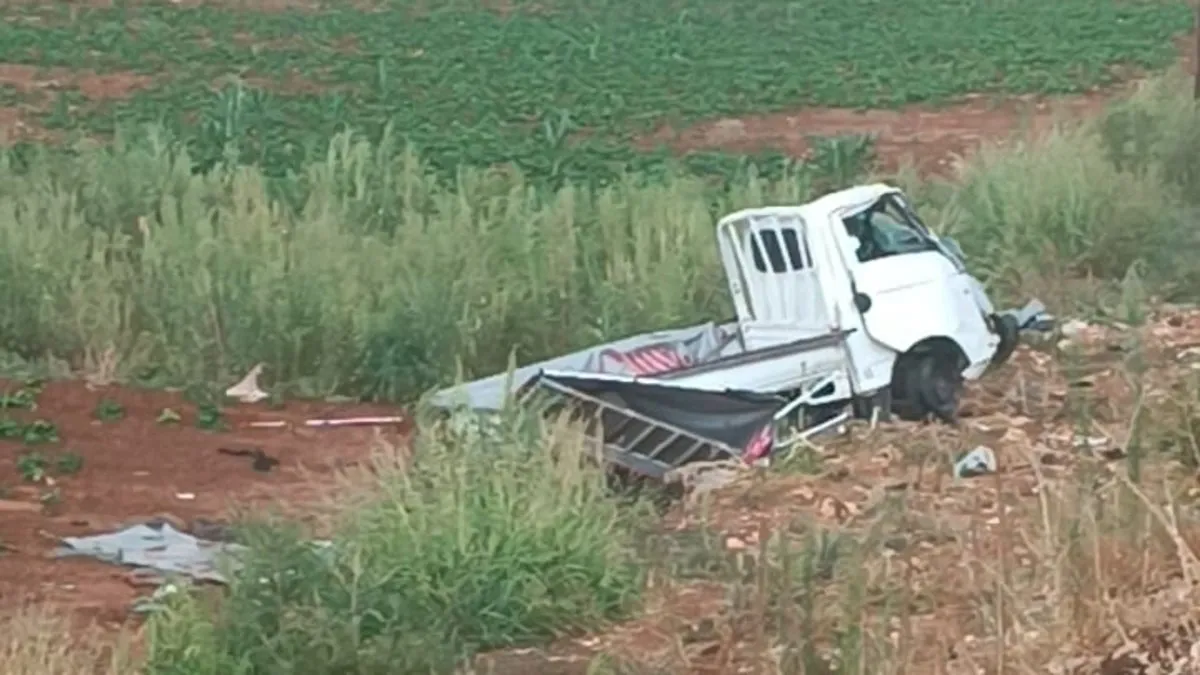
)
(353, 421)
(1090, 442)
(261, 461)
(159, 547)
(336, 422)
(168, 416)
(977, 462)
(247, 390)
(1074, 328)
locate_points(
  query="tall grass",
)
(484, 540)
(365, 274)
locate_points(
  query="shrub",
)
(485, 540)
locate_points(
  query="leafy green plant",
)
(11, 429)
(33, 467)
(841, 160)
(68, 464)
(108, 410)
(209, 417)
(559, 92)
(39, 432)
(23, 398)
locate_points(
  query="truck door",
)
(906, 286)
(773, 280)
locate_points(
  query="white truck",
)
(845, 305)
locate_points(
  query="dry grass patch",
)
(40, 641)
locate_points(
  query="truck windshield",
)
(884, 230)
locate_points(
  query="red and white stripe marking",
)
(650, 360)
(758, 446)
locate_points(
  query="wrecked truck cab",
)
(861, 261)
(846, 305)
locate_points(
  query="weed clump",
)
(483, 541)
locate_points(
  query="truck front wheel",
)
(928, 384)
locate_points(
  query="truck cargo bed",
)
(704, 356)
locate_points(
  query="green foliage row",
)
(559, 87)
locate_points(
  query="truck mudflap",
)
(653, 427)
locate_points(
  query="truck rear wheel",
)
(928, 384)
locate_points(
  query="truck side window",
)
(791, 256)
(885, 230)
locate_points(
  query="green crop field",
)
(557, 87)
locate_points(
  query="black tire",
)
(864, 407)
(928, 385)
(1010, 335)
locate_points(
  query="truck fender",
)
(902, 330)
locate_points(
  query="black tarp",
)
(732, 418)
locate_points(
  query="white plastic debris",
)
(1074, 328)
(977, 462)
(247, 390)
(161, 548)
(353, 421)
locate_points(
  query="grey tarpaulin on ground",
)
(159, 547)
(696, 344)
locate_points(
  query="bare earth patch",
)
(40, 86)
(135, 469)
(95, 86)
(15, 128)
(931, 138)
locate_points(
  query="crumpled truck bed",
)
(639, 355)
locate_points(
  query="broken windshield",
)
(885, 230)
